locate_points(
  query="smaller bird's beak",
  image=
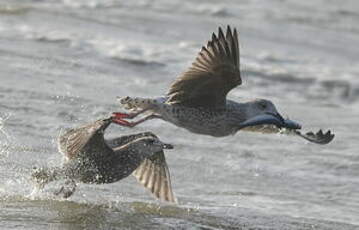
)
(109, 119)
(167, 146)
(104, 123)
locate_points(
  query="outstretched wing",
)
(153, 173)
(212, 75)
(85, 138)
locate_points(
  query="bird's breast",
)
(197, 120)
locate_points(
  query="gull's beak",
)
(270, 119)
(277, 115)
(167, 146)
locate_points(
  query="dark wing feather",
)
(85, 138)
(153, 174)
(213, 74)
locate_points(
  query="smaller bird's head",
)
(149, 145)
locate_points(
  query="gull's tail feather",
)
(138, 103)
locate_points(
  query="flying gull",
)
(197, 100)
(91, 159)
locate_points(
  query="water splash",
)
(5, 138)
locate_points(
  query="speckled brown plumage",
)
(92, 159)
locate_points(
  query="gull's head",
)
(261, 112)
(260, 107)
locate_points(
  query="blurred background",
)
(62, 64)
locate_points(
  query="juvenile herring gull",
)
(197, 100)
(92, 159)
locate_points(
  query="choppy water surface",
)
(64, 62)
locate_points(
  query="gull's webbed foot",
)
(123, 122)
(118, 118)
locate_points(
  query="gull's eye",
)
(263, 105)
(151, 141)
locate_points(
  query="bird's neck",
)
(245, 110)
(240, 112)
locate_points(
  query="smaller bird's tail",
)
(42, 176)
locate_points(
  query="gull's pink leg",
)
(128, 115)
(121, 122)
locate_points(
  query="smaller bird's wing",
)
(212, 75)
(153, 173)
(83, 139)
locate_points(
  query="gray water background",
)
(62, 64)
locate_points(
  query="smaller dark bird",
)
(91, 159)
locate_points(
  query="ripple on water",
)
(14, 9)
